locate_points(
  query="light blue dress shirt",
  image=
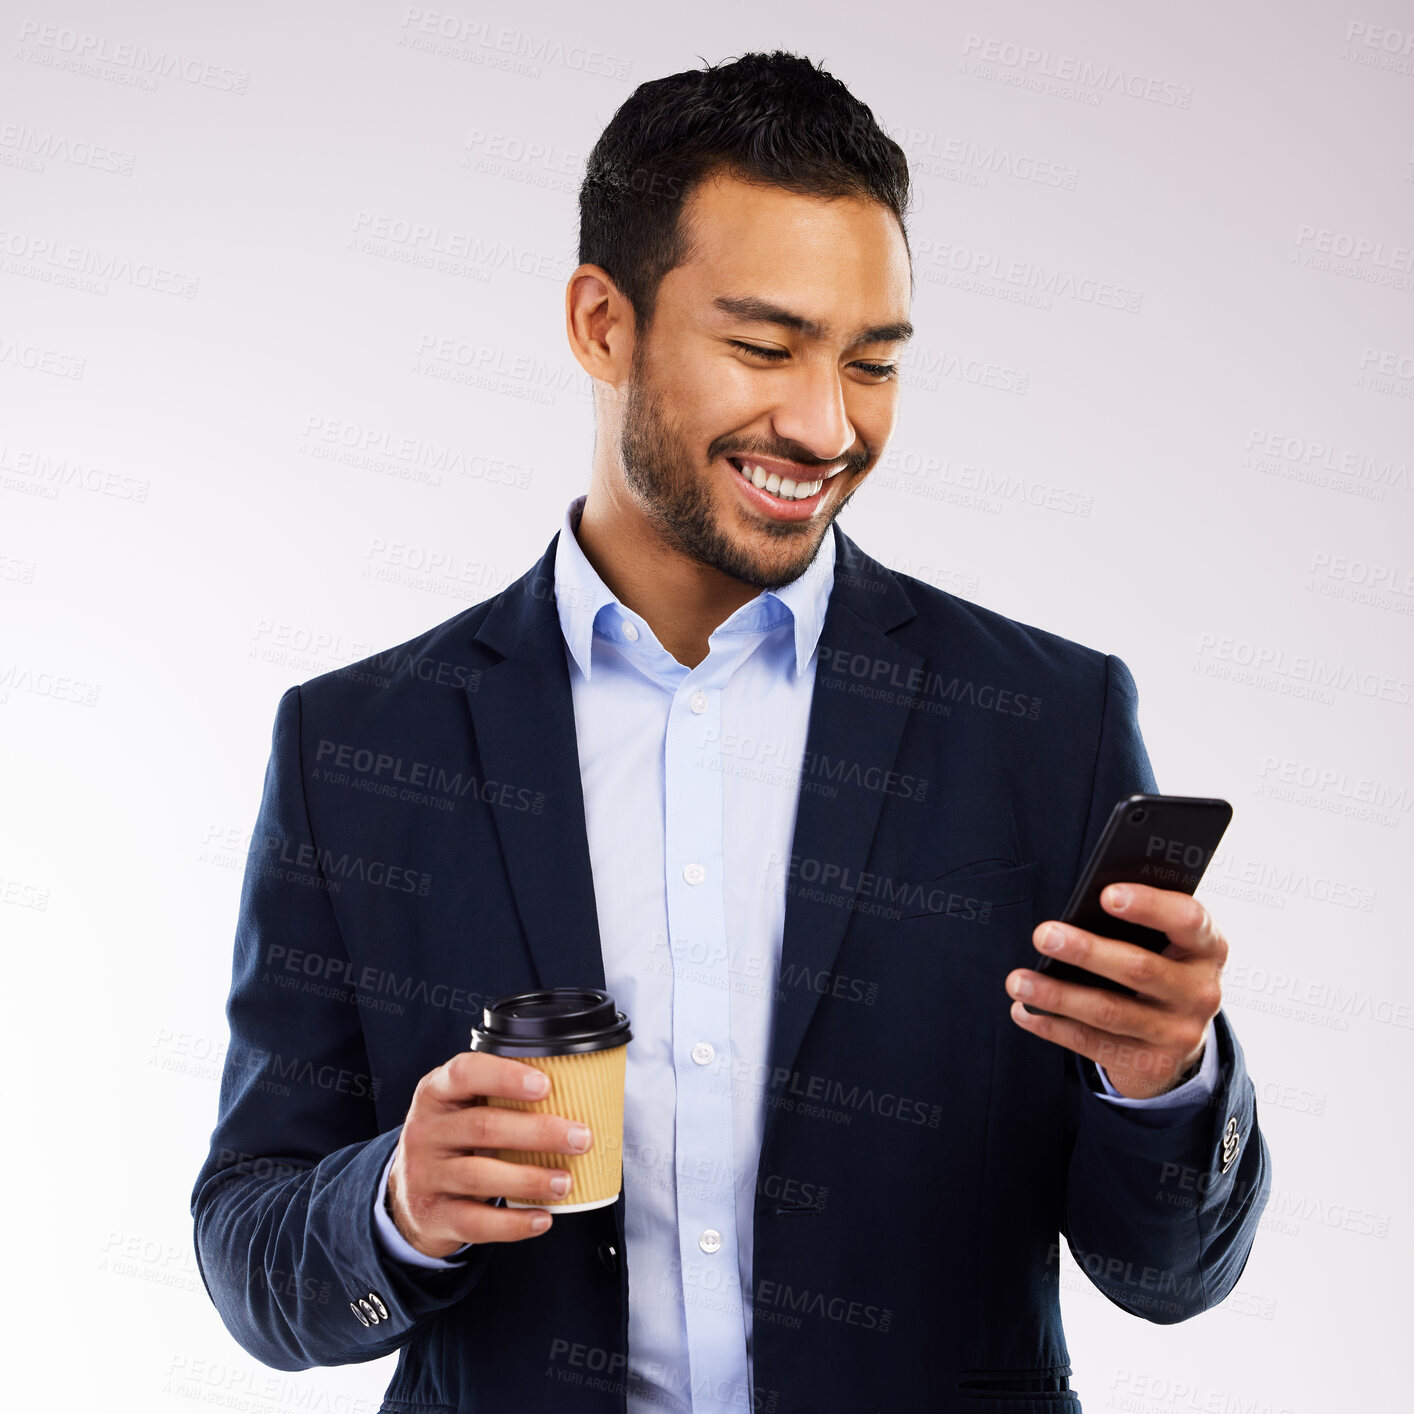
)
(691, 779)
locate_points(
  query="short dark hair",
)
(776, 119)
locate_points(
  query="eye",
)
(772, 354)
(881, 371)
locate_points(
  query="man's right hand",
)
(445, 1170)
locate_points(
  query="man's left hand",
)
(1145, 1042)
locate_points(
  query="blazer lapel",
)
(523, 719)
(522, 711)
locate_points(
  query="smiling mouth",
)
(783, 488)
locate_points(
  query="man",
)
(808, 820)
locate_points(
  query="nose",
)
(812, 412)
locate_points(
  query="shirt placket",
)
(695, 867)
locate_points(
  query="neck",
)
(681, 599)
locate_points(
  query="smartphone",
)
(1162, 840)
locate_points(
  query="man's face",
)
(814, 405)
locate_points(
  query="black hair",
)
(776, 119)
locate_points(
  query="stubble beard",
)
(676, 495)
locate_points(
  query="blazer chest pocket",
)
(973, 894)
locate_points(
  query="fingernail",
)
(1118, 896)
(578, 1137)
(539, 1224)
(1052, 939)
(1021, 987)
(537, 1085)
(560, 1185)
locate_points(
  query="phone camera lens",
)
(1138, 815)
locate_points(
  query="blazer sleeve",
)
(1161, 1218)
(283, 1207)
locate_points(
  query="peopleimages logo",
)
(41, 470)
(1301, 674)
(835, 770)
(1023, 281)
(59, 262)
(925, 685)
(406, 456)
(99, 56)
(420, 782)
(1294, 457)
(864, 891)
(452, 36)
(302, 863)
(22, 146)
(1030, 67)
(1338, 791)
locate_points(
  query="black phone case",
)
(1166, 841)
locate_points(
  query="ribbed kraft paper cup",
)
(589, 1088)
(578, 1038)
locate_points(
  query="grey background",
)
(284, 380)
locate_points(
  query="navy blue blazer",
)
(420, 850)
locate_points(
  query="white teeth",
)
(781, 487)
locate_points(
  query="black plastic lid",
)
(558, 1021)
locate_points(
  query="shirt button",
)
(698, 702)
(703, 1052)
(631, 632)
(694, 873)
(710, 1241)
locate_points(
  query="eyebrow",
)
(762, 311)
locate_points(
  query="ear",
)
(600, 325)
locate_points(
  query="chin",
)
(776, 557)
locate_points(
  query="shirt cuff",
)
(394, 1243)
(1189, 1096)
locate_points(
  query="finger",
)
(1179, 916)
(1158, 1066)
(1150, 973)
(1064, 1031)
(489, 1178)
(502, 1127)
(1101, 1010)
(470, 1221)
(470, 1075)
(445, 1206)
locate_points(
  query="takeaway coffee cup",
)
(578, 1038)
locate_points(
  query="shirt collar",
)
(580, 594)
